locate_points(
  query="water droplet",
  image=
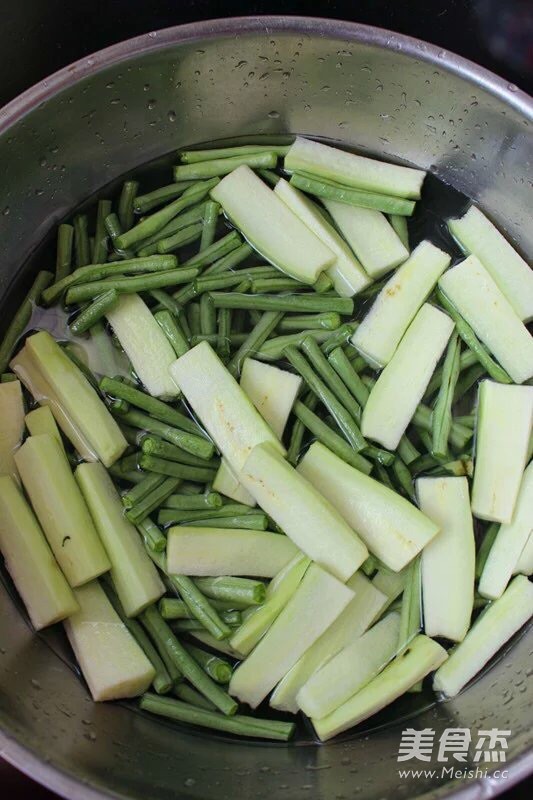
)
(189, 782)
(90, 735)
(150, 105)
(110, 85)
(512, 87)
(6, 213)
(43, 162)
(146, 87)
(273, 114)
(171, 116)
(39, 192)
(325, 88)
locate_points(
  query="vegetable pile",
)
(253, 469)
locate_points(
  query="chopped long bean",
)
(330, 439)
(126, 203)
(82, 245)
(22, 317)
(173, 331)
(222, 166)
(441, 419)
(152, 405)
(468, 336)
(329, 321)
(129, 285)
(286, 302)
(94, 312)
(339, 413)
(355, 197)
(256, 338)
(153, 446)
(144, 507)
(176, 470)
(146, 202)
(152, 535)
(65, 241)
(156, 221)
(193, 156)
(240, 590)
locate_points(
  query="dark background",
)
(38, 37)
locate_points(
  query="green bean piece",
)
(239, 725)
(272, 349)
(468, 336)
(339, 337)
(189, 624)
(192, 443)
(94, 312)
(99, 250)
(407, 451)
(330, 377)
(193, 318)
(126, 203)
(146, 202)
(382, 476)
(240, 590)
(320, 187)
(173, 331)
(235, 339)
(175, 469)
(340, 362)
(223, 344)
(279, 284)
(8, 377)
(194, 156)
(140, 490)
(328, 321)
(129, 476)
(252, 522)
(195, 214)
(220, 248)
(22, 317)
(82, 245)
(330, 439)
(152, 535)
(223, 166)
(212, 211)
(441, 419)
(255, 339)
(211, 283)
(153, 446)
(158, 637)
(162, 682)
(144, 507)
(370, 565)
(466, 359)
(404, 479)
(205, 502)
(486, 544)
(340, 414)
(98, 272)
(469, 420)
(468, 379)
(65, 240)
(287, 302)
(208, 319)
(114, 230)
(229, 261)
(152, 405)
(216, 667)
(156, 221)
(268, 176)
(130, 285)
(180, 239)
(193, 698)
(200, 607)
(171, 608)
(309, 402)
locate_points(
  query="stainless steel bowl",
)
(99, 118)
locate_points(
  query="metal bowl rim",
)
(12, 751)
